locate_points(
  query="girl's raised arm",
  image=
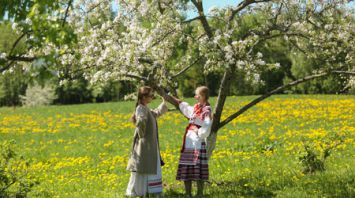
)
(186, 109)
(160, 110)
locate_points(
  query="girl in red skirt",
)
(193, 163)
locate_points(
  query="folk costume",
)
(145, 161)
(193, 163)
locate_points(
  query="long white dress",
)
(141, 184)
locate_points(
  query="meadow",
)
(82, 150)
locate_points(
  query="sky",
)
(207, 4)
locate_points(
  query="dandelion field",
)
(82, 150)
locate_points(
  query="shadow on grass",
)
(228, 189)
(337, 186)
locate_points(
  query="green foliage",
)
(79, 90)
(112, 91)
(14, 181)
(38, 12)
(16, 9)
(13, 83)
(268, 145)
(276, 51)
(242, 86)
(301, 66)
(12, 86)
(313, 160)
(56, 32)
(74, 91)
(8, 38)
(39, 23)
(193, 78)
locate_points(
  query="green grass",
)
(82, 150)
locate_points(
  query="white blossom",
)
(2, 55)
(112, 47)
(14, 26)
(213, 10)
(28, 21)
(260, 62)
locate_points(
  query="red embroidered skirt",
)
(194, 172)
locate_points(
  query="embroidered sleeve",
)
(205, 129)
(186, 109)
(141, 117)
(160, 110)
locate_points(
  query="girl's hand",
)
(195, 129)
(177, 100)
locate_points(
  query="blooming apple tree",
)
(153, 41)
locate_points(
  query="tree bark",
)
(66, 12)
(222, 95)
(206, 26)
(167, 97)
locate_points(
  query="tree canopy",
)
(154, 41)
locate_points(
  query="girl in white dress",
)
(145, 161)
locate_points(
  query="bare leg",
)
(200, 188)
(188, 186)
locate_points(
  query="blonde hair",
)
(203, 90)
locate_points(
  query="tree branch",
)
(161, 9)
(21, 58)
(240, 7)
(344, 72)
(163, 37)
(66, 12)
(146, 60)
(94, 7)
(243, 5)
(275, 36)
(17, 42)
(298, 47)
(16, 58)
(186, 68)
(7, 66)
(167, 97)
(202, 17)
(278, 13)
(263, 97)
(136, 77)
(193, 19)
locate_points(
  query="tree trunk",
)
(222, 95)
